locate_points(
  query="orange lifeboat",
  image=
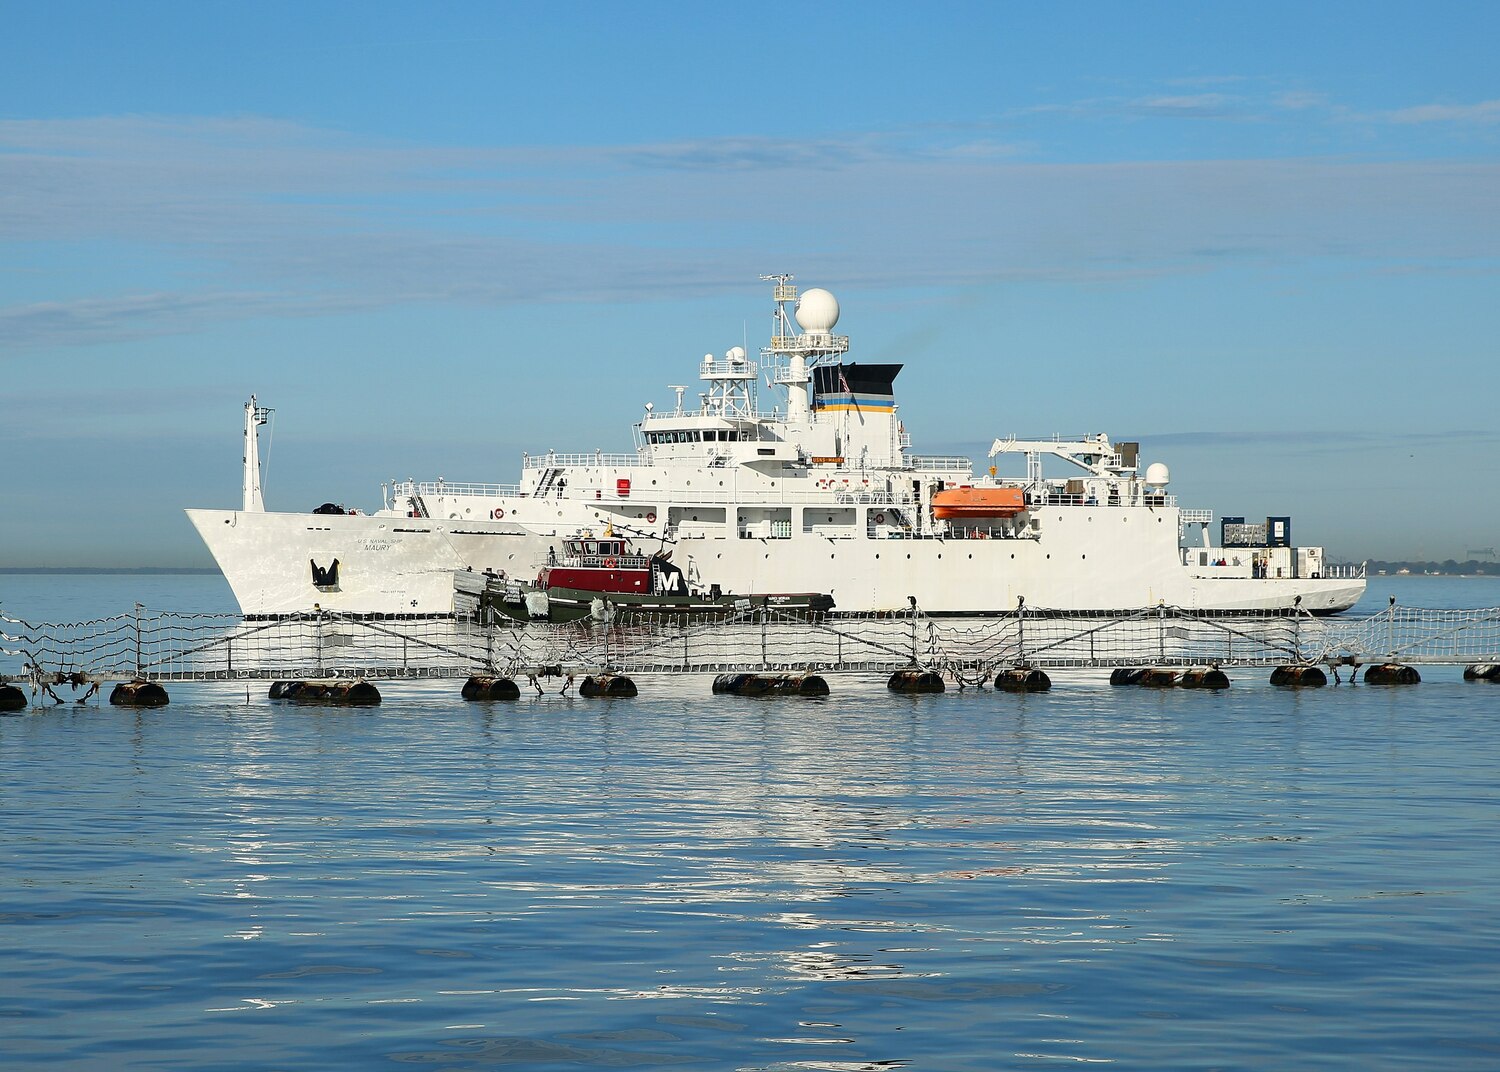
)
(967, 502)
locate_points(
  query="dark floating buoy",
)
(1203, 677)
(11, 698)
(1022, 679)
(1126, 675)
(916, 681)
(1158, 677)
(771, 684)
(606, 685)
(1392, 674)
(347, 693)
(138, 694)
(491, 688)
(1299, 676)
(1482, 672)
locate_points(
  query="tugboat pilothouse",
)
(820, 495)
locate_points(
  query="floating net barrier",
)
(167, 646)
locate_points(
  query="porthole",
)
(971, 556)
(1049, 556)
(1012, 554)
(908, 556)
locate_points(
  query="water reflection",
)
(964, 883)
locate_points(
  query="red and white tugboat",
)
(592, 574)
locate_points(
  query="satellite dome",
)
(736, 355)
(817, 311)
(1157, 475)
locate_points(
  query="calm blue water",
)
(1255, 879)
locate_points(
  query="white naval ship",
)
(820, 494)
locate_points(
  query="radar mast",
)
(795, 352)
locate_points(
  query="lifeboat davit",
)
(967, 502)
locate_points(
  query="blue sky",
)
(1264, 240)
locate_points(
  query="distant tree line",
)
(1448, 567)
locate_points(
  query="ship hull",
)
(395, 565)
(387, 565)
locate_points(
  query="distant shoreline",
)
(165, 571)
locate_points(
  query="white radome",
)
(1157, 475)
(817, 311)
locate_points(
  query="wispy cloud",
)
(132, 316)
(1188, 106)
(1483, 112)
(272, 218)
(1300, 100)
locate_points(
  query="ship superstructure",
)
(821, 493)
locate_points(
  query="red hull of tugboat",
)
(629, 581)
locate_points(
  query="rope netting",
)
(170, 646)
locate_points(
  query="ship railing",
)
(932, 463)
(552, 459)
(607, 561)
(405, 489)
(1086, 499)
(781, 497)
(727, 370)
(1344, 571)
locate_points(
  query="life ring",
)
(880, 519)
(497, 513)
(651, 518)
(611, 563)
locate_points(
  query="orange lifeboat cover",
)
(978, 502)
